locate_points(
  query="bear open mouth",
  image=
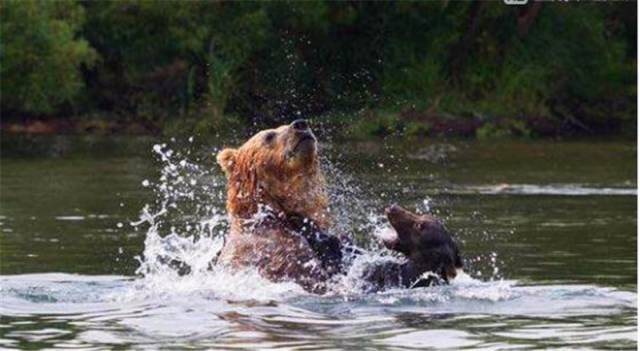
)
(389, 237)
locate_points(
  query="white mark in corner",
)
(515, 2)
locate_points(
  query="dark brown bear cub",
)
(426, 243)
(431, 256)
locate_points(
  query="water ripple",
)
(537, 189)
(65, 311)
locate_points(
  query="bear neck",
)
(249, 200)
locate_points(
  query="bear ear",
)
(227, 159)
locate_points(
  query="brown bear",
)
(275, 186)
(278, 209)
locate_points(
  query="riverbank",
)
(366, 124)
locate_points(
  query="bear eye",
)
(269, 137)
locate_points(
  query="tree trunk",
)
(527, 17)
(462, 50)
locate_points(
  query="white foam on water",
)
(70, 218)
(71, 293)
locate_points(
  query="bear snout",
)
(300, 124)
(302, 144)
(401, 220)
(392, 209)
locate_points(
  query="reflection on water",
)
(548, 231)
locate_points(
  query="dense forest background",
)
(473, 68)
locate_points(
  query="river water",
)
(91, 229)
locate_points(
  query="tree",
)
(40, 54)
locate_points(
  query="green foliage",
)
(217, 64)
(384, 123)
(376, 123)
(502, 129)
(163, 59)
(580, 73)
(40, 54)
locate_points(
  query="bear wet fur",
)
(274, 186)
(279, 218)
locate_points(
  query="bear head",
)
(424, 241)
(277, 169)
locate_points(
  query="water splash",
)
(356, 212)
(186, 225)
